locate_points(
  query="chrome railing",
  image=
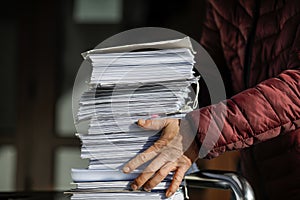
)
(239, 186)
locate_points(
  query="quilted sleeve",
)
(254, 115)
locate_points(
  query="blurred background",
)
(41, 42)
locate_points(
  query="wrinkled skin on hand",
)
(175, 150)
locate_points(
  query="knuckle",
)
(148, 123)
(178, 178)
(171, 135)
(170, 156)
(131, 164)
(140, 180)
(165, 122)
(150, 184)
(161, 174)
(173, 122)
(157, 124)
(138, 183)
(159, 144)
(186, 162)
(143, 157)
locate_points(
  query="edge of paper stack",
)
(129, 83)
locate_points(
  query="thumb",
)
(152, 124)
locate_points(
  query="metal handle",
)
(221, 180)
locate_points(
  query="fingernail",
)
(147, 189)
(169, 193)
(134, 186)
(126, 169)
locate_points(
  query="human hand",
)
(175, 150)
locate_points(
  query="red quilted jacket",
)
(256, 46)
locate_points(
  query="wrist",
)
(193, 151)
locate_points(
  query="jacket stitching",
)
(266, 37)
(274, 58)
(238, 131)
(230, 23)
(238, 4)
(272, 11)
(288, 19)
(209, 28)
(297, 31)
(244, 115)
(236, 55)
(264, 131)
(258, 133)
(214, 119)
(245, 10)
(267, 100)
(288, 85)
(276, 34)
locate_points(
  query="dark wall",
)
(39, 57)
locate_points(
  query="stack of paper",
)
(125, 86)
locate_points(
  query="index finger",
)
(147, 155)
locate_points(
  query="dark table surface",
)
(33, 196)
